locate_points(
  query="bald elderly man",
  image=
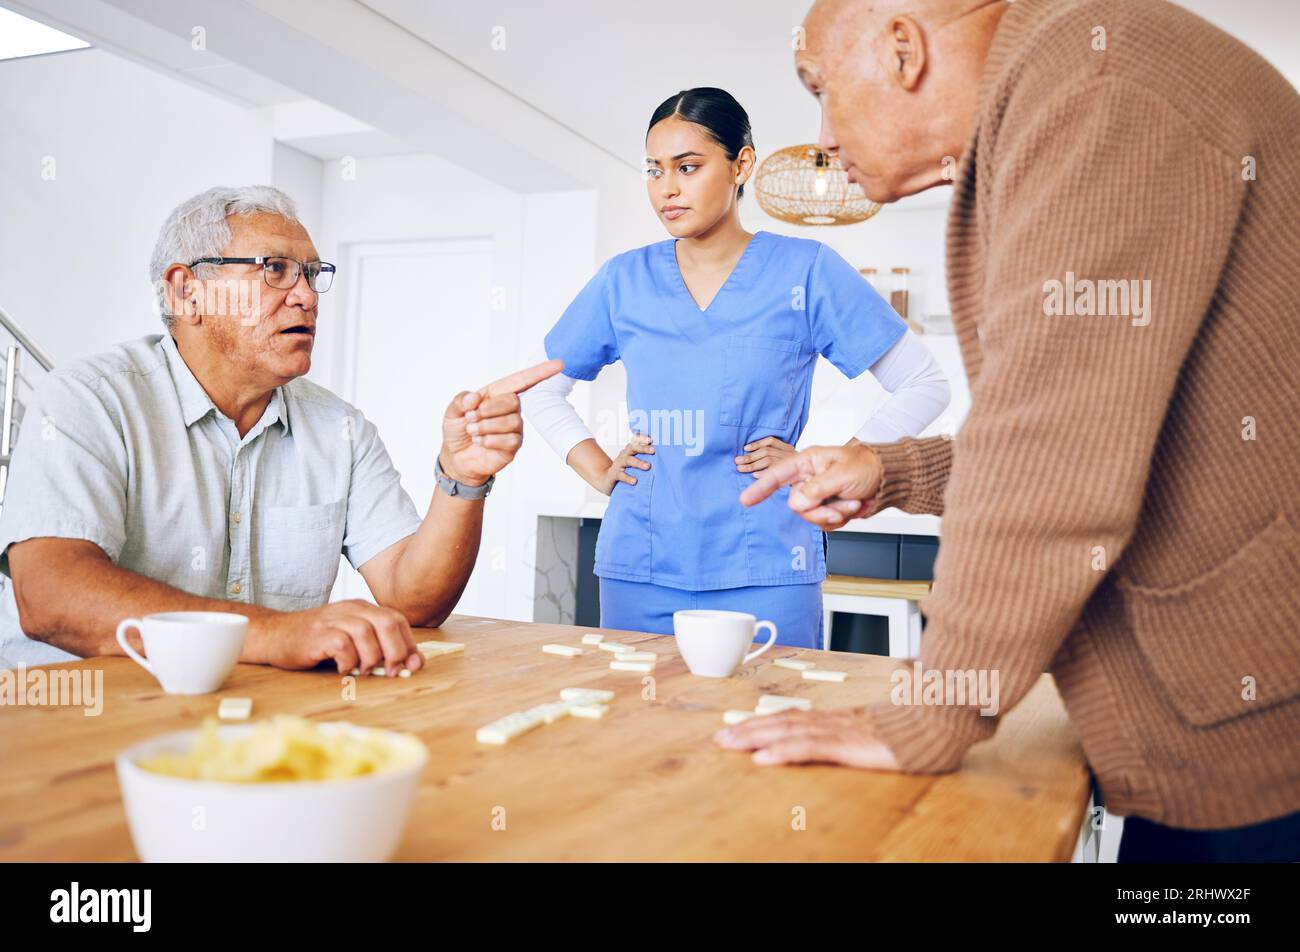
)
(198, 469)
(1120, 507)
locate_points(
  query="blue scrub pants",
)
(796, 610)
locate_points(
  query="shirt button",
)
(235, 518)
(236, 588)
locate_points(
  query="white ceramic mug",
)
(713, 643)
(188, 652)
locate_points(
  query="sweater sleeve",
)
(914, 474)
(1098, 182)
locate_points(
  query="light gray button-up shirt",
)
(127, 451)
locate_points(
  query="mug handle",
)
(758, 626)
(131, 652)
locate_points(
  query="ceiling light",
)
(20, 37)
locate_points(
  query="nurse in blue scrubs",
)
(718, 330)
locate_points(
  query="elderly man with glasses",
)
(199, 470)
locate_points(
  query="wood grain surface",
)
(645, 783)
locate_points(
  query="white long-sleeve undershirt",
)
(918, 393)
(547, 408)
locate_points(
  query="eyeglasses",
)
(282, 273)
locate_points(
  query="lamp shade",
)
(803, 185)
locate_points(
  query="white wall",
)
(300, 176)
(127, 145)
(543, 253)
(409, 197)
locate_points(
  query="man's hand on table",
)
(832, 484)
(482, 430)
(352, 634)
(797, 737)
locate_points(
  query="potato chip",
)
(282, 749)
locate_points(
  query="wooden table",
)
(645, 783)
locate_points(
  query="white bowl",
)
(350, 820)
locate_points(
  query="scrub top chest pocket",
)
(299, 549)
(758, 382)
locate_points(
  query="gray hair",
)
(198, 228)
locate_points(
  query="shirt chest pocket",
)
(298, 549)
(758, 382)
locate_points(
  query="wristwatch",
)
(453, 487)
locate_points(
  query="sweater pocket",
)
(1226, 643)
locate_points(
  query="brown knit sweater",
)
(1122, 505)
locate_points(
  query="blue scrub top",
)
(702, 384)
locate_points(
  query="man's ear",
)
(904, 52)
(183, 293)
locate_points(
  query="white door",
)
(419, 330)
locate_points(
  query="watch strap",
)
(452, 487)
